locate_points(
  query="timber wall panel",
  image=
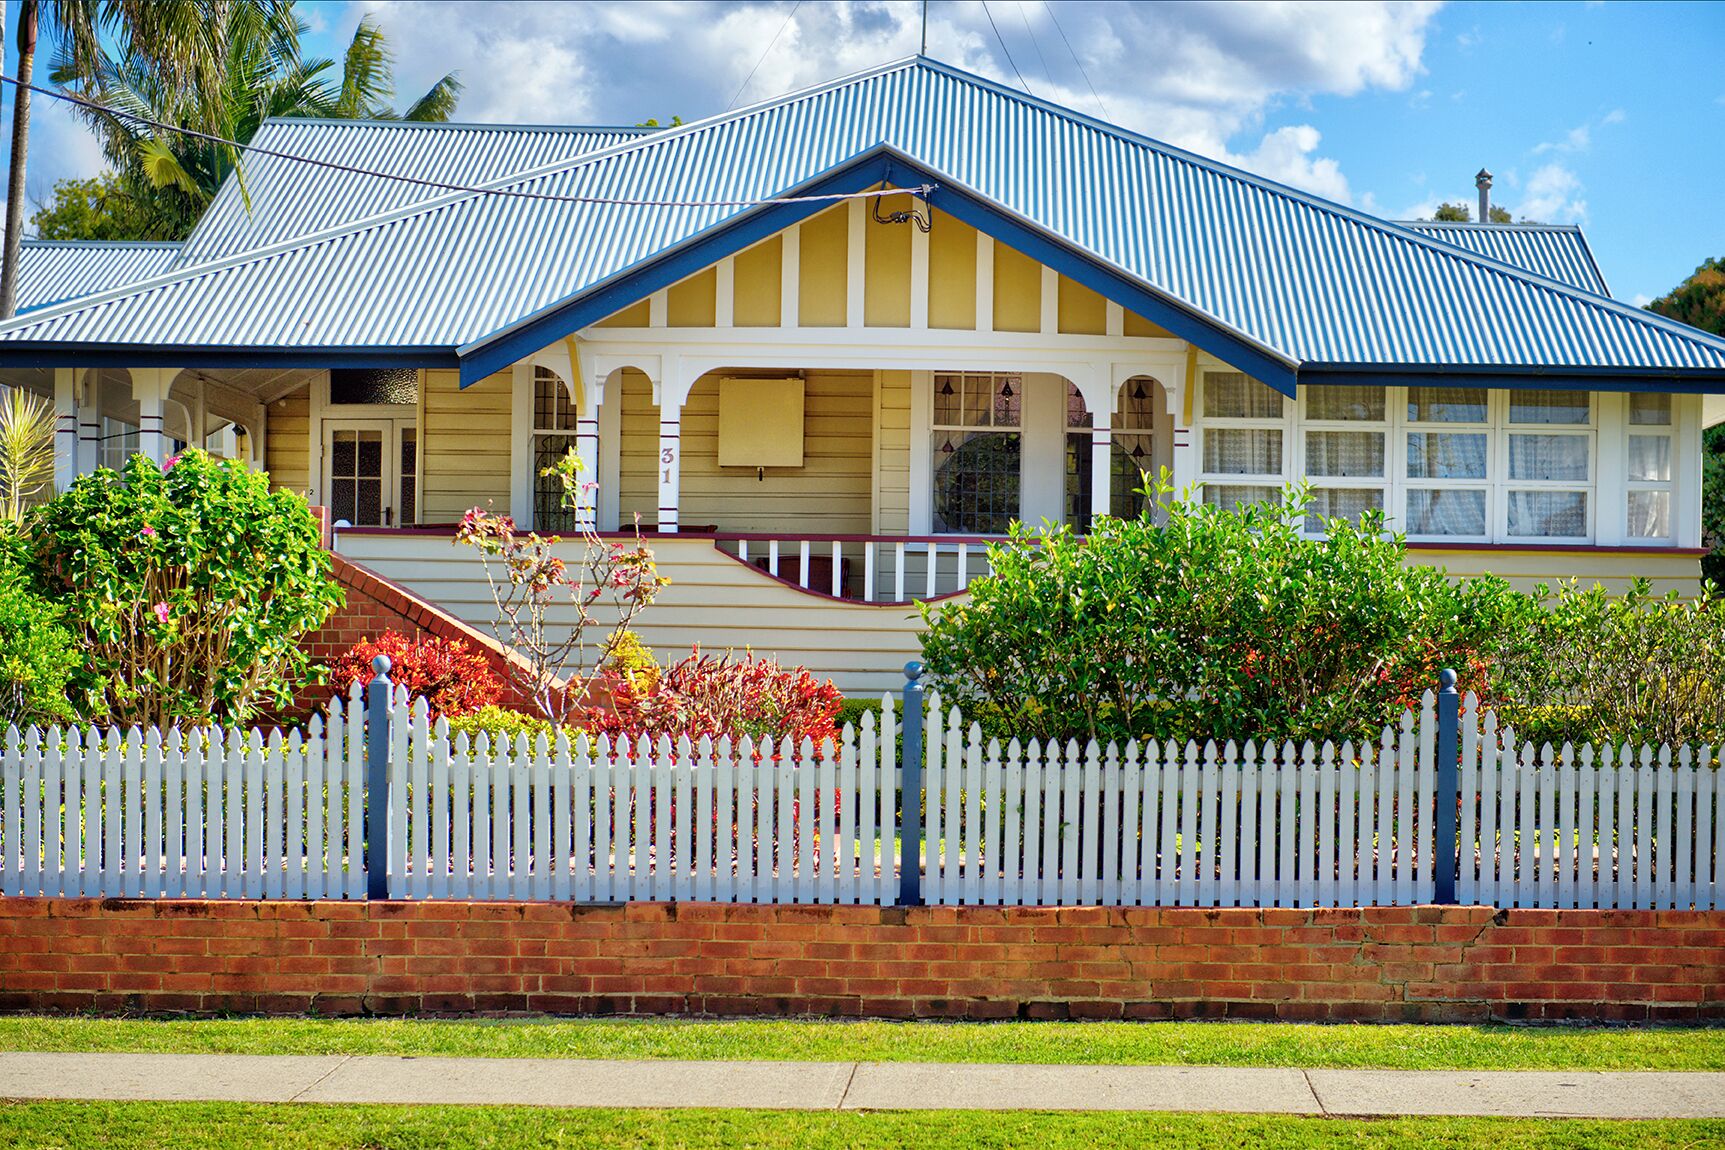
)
(287, 443)
(465, 447)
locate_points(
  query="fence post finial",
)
(910, 794)
(1446, 850)
(377, 700)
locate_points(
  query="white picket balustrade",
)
(235, 814)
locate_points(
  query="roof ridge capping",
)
(466, 125)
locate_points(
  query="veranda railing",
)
(236, 814)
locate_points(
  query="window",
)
(977, 448)
(357, 480)
(1134, 446)
(1448, 435)
(1649, 466)
(1550, 472)
(374, 386)
(1245, 434)
(119, 442)
(553, 437)
(1079, 450)
(409, 475)
(1346, 435)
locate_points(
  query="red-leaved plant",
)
(719, 695)
(452, 677)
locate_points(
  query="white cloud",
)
(1615, 116)
(1553, 195)
(1575, 140)
(1288, 155)
(1641, 299)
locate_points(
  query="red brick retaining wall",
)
(1413, 963)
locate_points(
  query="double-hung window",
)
(1447, 463)
(1345, 434)
(977, 452)
(1649, 466)
(1245, 440)
(1550, 447)
(553, 438)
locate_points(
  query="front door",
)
(369, 468)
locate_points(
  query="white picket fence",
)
(233, 814)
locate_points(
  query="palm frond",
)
(438, 104)
(367, 74)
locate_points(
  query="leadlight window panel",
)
(1447, 455)
(1548, 514)
(409, 476)
(392, 386)
(1547, 406)
(1134, 447)
(1447, 405)
(553, 410)
(120, 442)
(1446, 512)
(1650, 409)
(549, 512)
(976, 481)
(1236, 395)
(977, 400)
(1337, 403)
(1345, 454)
(1349, 503)
(1076, 458)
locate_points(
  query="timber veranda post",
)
(1446, 850)
(910, 792)
(377, 741)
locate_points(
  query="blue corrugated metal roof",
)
(290, 199)
(1555, 251)
(50, 271)
(1309, 284)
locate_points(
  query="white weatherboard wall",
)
(713, 600)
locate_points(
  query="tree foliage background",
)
(1699, 301)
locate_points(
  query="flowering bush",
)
(448, 674)
(526, 577)
(187, 587)
(37, 657)
(708, 695)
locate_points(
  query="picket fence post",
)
(377, 706)
(1446, 850)
(910, 795)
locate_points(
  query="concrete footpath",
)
(857, 1085)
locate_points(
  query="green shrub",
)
(499, 723)
(1556, 723)
(187, 587)
(37, 656)
(1639, 667)
(1217, 623)
(852, 711)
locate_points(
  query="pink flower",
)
(168, 463)
(148, 532)
(161, 610)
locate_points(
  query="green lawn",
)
(141, 1125)
(1158, 1043)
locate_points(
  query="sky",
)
(1607, 115)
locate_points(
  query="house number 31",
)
(668, 456)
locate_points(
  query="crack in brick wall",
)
(356, 958)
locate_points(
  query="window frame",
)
(1305, 425)
(1287, 424)
(1668, 432)
(936, 429)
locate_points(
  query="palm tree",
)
(257, 74)
(26, 451)
(172, 34)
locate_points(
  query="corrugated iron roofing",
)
(290, 199)
(51, 271)
(1312, 282)
(1556, 251)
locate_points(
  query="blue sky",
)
(1607, 115)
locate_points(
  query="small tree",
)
(528, 579)
(187, 586)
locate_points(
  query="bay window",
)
(1345, 437)
(1447, 441)
(1245, 436)
(1550, 471)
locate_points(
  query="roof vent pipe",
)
(1483, 183)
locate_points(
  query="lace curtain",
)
(1243, 451)
(1460, 512)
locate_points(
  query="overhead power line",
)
(448, 186)
(1055, 20)
(1004, 48)
(743, 87)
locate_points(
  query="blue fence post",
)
(910, 794)
(377, 779)
(1445, 848)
